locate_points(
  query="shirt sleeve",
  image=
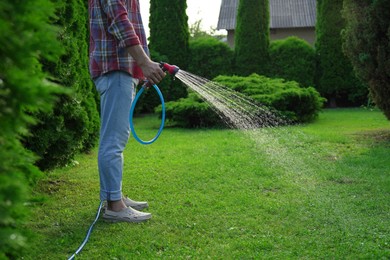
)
(119, 24)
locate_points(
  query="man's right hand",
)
(151, 70)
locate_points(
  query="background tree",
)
(26, 38)
(335, 77)
(169, 36)
(293, 59)
(73, 125)
(367, 44)
(252, 37)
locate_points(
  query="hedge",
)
(285, 98)
(210, 57)
(73, 125)
(26, 38)
(293, 59)
(296, 103)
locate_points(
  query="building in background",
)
(287, 18)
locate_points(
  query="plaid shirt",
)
(114, 25)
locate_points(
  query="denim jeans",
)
(116, 91)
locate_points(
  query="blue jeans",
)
(116, 91)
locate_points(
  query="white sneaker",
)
(138, 205)
(126, 215)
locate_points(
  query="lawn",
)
(320, 190)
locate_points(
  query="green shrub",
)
(210, 57)
(293, 59)
(252, 39)
(26, 38)
(335, 78)
(169, 36)
(190, 112)
(73, 125)
(367, 44)
(296, 103)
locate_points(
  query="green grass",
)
(313, 191)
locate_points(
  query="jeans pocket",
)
(101, 84)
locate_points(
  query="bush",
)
(366, 43)
(293, 59)
(26, 38)
(335, 78)
(252, 39)
(210, 57)
(191, 112)
(296, 103)
(73, 125)
(169, 35)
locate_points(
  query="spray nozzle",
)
(171, 69)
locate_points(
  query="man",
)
(118, 61)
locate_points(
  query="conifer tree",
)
(169, 36)
(26, 38)
(252, 37)
(73, 125)
(335, 77)
(367, 44)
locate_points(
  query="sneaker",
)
(126, 215)
(138, 205)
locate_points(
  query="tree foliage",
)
(210, 57)
(26, 38)
(73, 125)
(367, 44)
(293, 59)
(335, 77)
(252, 37)
(169, 36)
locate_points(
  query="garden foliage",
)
(252, 37)
(73, 125)
(287, 97)
(367, 44)
(296, 103)
(293, 59)
(210, 57)
(26, 38)
(190, 112)
(169, 36)
(336, 79)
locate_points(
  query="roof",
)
(283, 13)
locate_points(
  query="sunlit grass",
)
(320, 190)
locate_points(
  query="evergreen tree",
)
(252, 37)
(335, 77)
(169, 36)
(26, 38)
(72, 126)
(367, 44)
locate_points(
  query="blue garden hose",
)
(132, 114)
(88, 233)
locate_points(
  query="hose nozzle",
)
(171, 69)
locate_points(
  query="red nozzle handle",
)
(171, 69)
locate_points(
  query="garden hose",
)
(132, 115)
(88, 232)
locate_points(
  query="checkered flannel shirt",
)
(114, 26)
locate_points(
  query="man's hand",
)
(152, 71)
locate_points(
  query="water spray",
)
(171, 69)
